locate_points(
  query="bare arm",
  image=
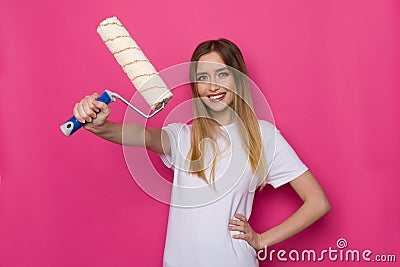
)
(315, 205)
(95, 113)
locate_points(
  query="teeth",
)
(217, 96)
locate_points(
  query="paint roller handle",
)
(72, 125)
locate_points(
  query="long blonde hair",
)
(203, 127)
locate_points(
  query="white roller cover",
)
(134, 63)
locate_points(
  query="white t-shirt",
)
(199, 215)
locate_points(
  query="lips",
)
(216, 97)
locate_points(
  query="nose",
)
(213, 85)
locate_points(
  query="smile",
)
(217, 97)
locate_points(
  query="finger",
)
(95, 95)
(103, 107)
(90, 102)
(237, 228)
(76, 113)
(236, 222)
(88, 107)
(240, 217)
(82, 113)
(239, 236)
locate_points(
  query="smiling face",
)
(215, 84)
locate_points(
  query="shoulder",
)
(176, 125)
(265, 124)
(267, 127)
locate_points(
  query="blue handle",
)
(72, 125)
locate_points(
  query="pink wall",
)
(329, 69)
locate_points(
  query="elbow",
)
(147, 139)
(323, 206)
(320, 205)
(327, 207)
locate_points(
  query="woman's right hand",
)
(91, 112)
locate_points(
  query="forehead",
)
(210, 62)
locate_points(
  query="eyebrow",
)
(224, 68)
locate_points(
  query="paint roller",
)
(137, 67)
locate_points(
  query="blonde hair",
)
(204, 127)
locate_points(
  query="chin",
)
(220, 108)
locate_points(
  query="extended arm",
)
(95, 113)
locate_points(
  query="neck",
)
(224, 118)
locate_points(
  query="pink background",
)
(329, 69)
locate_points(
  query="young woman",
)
(215, 160)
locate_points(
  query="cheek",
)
(229, 97)
(228, 84)
(201, 89)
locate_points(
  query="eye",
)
(202, 78)
(223, 74)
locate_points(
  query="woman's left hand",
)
(248, 234)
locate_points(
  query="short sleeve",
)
(173, 130)
(285, 165)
